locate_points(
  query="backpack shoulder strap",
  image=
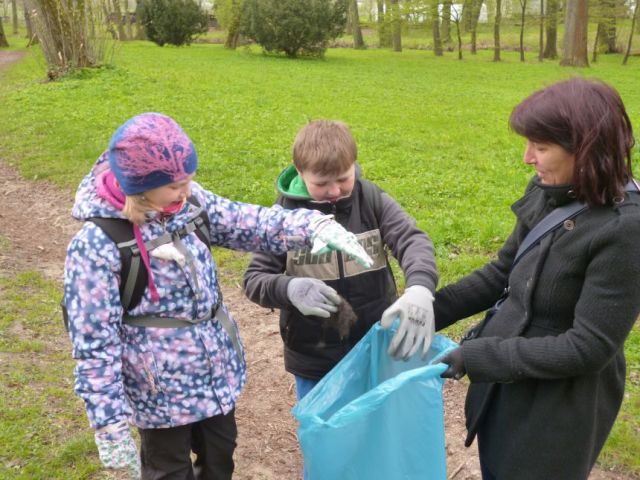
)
(201, 222)
(133, 274)
(373, 195)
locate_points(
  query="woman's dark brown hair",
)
(588, 119)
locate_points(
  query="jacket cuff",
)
(423, 279)
(282, 282)
(483, 361)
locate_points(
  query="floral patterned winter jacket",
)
(162, 377)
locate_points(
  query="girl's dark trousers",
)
(166, 452)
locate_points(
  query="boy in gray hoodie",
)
(310, 288)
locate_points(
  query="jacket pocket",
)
(140, 372)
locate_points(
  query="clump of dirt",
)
(342, 320)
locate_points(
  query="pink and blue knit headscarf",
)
(150, 151)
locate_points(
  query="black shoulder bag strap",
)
(556, 218)
(545, 226)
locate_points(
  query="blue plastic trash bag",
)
(375, 418)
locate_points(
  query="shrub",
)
(294, 26)
(175, 22)
(71, 34)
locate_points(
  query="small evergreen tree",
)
(175, 22)
(295, 27)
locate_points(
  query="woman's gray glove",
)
(455, 360)
(117, 449)
(313, 297)
(417, 327)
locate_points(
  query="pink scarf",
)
(107, 188)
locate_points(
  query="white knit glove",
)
(117, 449)
(330, 235)
(417, 326)
(313, 297)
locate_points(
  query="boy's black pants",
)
(166, 452)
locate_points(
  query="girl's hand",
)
(330, 235)
(117, 449)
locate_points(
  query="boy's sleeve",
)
(410, 246)
(265, 282)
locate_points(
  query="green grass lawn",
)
(431, 131)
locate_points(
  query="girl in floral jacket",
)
(173, 365)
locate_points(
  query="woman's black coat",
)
(548, 370)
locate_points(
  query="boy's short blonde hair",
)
(324, 147)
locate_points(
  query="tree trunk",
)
(633, 24)
(140, 32)
(496, 31)
(128, 20)
(384, 38)
(14, 16)
(31, 35)
(575, 36)
(594, 56)
(551, 49)
(3, 37)
(607, 34)
(233, 31)
(396, 31)
(523, 4)
(435, 28)
(467, 15)
(472, 22)
(122, 36)
(358, 41)
(457, 22)
(541, 50)
(445, 27)
(27, 23)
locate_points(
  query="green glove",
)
(327, 234)
(117, 449)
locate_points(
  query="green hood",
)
(291, 185)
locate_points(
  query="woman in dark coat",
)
(547, 369)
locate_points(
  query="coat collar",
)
(539, 200)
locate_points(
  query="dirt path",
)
(7, 58)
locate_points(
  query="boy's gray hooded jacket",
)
(312, 349)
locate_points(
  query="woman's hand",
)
(455, 360)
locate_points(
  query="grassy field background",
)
(431, 131)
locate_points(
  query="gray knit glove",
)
(313, 297)
(414, 309)
(117, 449)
